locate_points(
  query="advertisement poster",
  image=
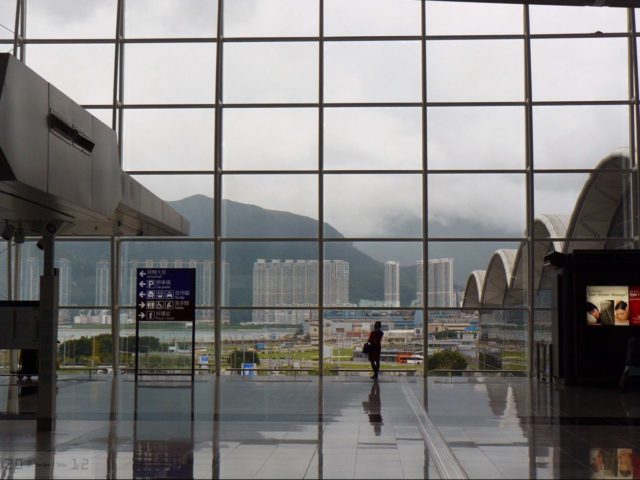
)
(614, 463)
(608, 305)
(634, 305)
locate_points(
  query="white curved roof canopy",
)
(603, 193)
(498, 277)
(597, 211)
(473, 290)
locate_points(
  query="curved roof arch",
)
(498, 277)
(598, 202)
(473, 289)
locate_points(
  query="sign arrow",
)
(142, 284)
(142, 304)
(143, 274)
(142, 294)
(142, 315)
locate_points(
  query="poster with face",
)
(613, 463)
(634, 305)
(607, 305)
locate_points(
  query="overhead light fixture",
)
(7, 233)
(19, 235)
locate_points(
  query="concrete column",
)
(48, 337)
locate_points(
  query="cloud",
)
(354, 138)
(256, 18)
(271, 72)
(273, 138)
(372, 138)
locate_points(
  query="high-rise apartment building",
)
(30, 279)
(103, 283)
(392, 284)
(294, 283)
(439, 280)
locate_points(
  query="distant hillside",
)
(247, 221)
(243, 220)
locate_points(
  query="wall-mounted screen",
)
(613, 305)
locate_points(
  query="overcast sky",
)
(378, 138)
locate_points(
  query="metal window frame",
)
(528, 170)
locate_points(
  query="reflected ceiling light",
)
(19, 235)
(7, 233)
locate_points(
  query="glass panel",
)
(8, 23)
(463, 18)
(476, 205)
(270, 274)
(371, 274)
(372, 72)
(502, 342)
(170, 73)
(544, 277)
(371, 17)
(453, 341)
(555, 194)
(345, 332)
(4, 292)
(476, 137)
(273, 138)
(31, 267)
(189, 195)
(171, 340)
(468, 263)
(578, 137)
(271, 72)
(71, 19)
(580, 19)
(271, 18)
(601, 200)
(83, 72)
(478, 70)
(372, 138)
(105, 115)
(85, 340)
(171, 18)
(579, 69)
(177, 189)
(382, 205)
(169, 139)
(161, 345)
(149, 254)
(279, 341)
(205, 336)
(84, 273)
(270, 205)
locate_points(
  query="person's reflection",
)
(373, 407)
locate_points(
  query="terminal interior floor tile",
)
(340, 427)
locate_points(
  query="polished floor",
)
(341, 427)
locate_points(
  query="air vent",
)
(60, 127)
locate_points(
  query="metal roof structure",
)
(59, 165)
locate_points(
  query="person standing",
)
(375, 347)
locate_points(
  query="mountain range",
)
(366, 259)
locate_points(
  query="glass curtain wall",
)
(344, 162)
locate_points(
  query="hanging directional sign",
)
(165, 294)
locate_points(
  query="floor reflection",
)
(373, 408)
(335, 428)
